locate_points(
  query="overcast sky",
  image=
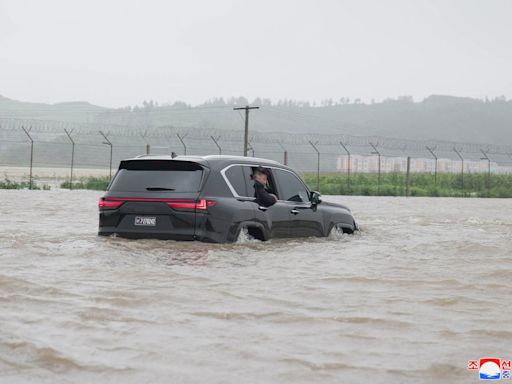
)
(118, 53)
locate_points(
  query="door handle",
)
(262, 208)
(295, 211)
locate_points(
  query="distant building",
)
(370, 164)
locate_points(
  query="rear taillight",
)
(201, 205)
(116, 202)
(109, 204)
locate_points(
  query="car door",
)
(276, 218)
(305, 220)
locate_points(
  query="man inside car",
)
(262, 191)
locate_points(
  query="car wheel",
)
(250, 234)
(336, 232)
(244, 236)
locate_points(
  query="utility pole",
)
(348, 165)
(68, 133)
(314, 145)
(246, 131)
(376, 152)
(31, 154)
(109, 143)
(461, 168)
(486, 157)
(216, 141)
(431, 150)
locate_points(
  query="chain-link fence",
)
(50, 144)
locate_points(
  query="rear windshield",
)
(157, 176)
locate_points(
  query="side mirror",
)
(315, 198)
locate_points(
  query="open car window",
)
(271, 185)
(240, 178)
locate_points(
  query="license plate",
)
(145, 220)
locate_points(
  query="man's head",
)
(260, 175)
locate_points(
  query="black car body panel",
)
(210, 199)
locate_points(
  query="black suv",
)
(211, 198)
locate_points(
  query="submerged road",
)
(423, 288)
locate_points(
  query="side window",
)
(236, 177)
(292, 189)
(270, 187)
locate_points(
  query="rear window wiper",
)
(159, 189)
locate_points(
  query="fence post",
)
(348, 165)
(169, 143)
(30, 182)
(486, 157)
(376, 152)
(109, 143)
(250, 147)
(431, 150)
(216, 141)
(317, 164)
(285, 153)
(68, 133)
(148, 146)
(408, 178)
(182, 142)
(461, 168)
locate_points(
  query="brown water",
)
(423, 288)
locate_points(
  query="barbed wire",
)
(88, 133)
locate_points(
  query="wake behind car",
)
(211, 199)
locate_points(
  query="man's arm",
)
(263, 198)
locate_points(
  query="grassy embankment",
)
(94, 183)
(392, 184)
(10, 184)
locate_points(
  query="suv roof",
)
(209, 160)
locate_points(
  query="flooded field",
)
(424, 287)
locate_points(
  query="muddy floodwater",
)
(423, 288)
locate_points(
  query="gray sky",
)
(119, 53)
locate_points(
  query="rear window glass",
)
(157, 176)
(235, 176)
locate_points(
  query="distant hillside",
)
(436, 117)
(71, 111)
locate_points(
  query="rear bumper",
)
(162, 235)
(168, 223)
(204, 236)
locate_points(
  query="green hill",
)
(436, 117)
